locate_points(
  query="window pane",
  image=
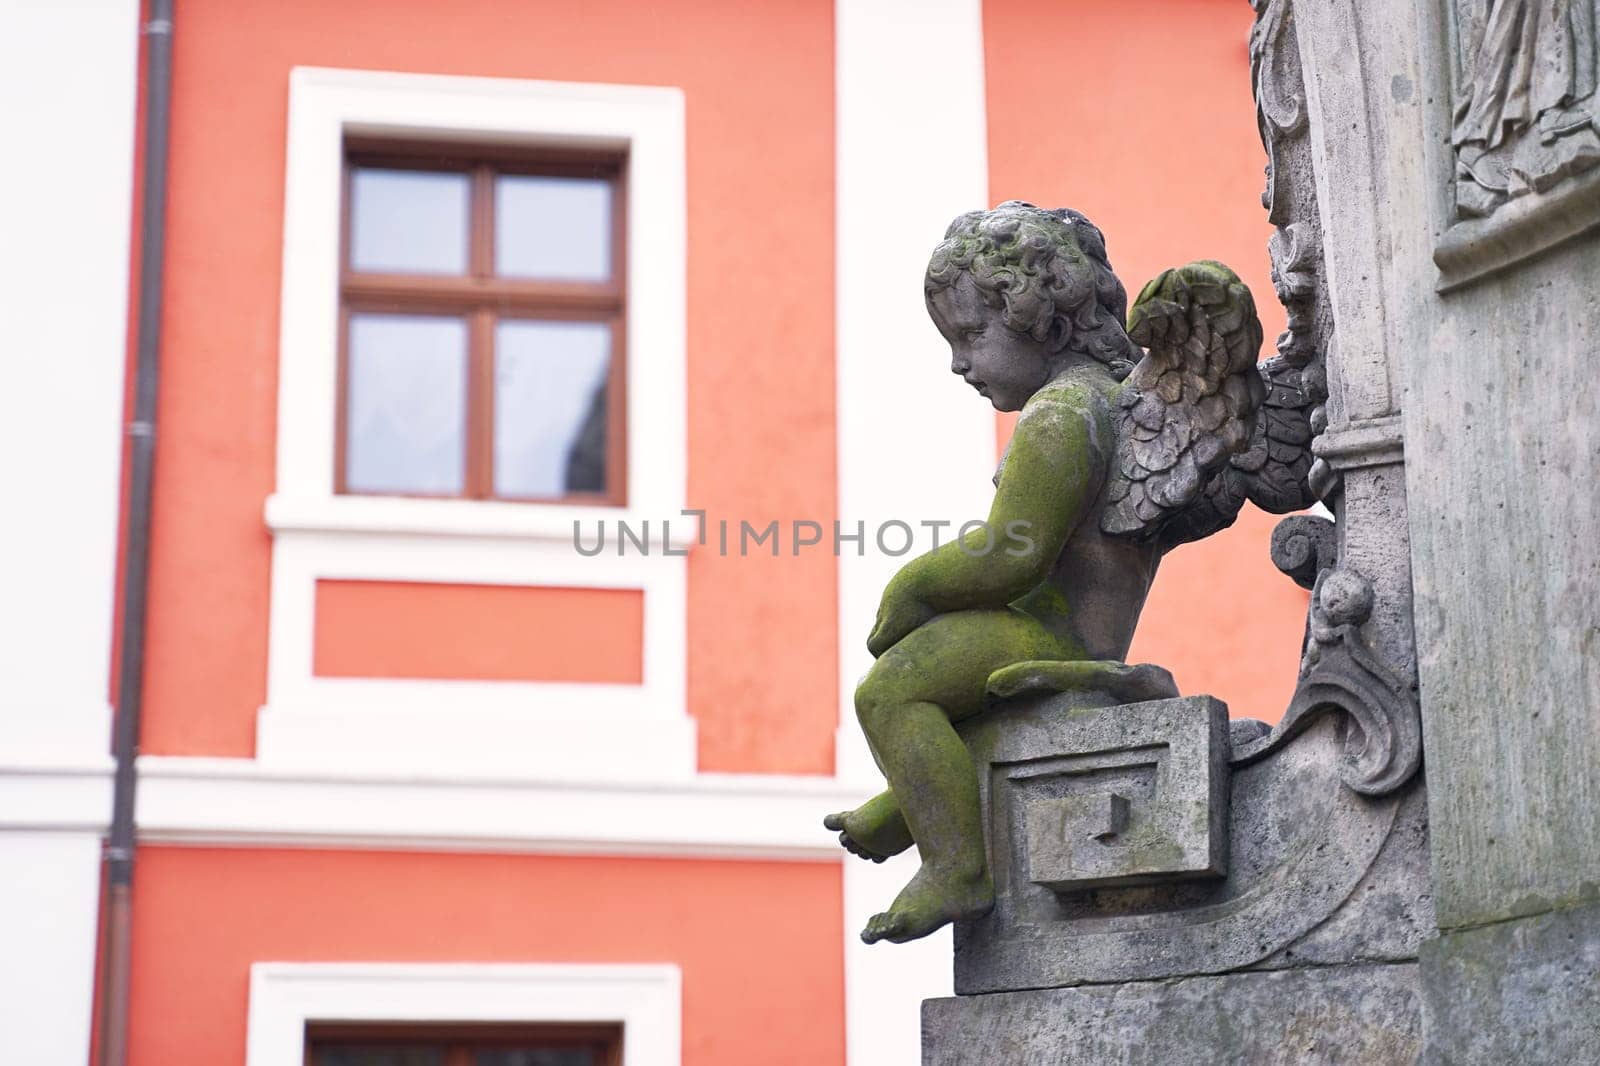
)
(535, 1057)
(550, 407)
(557, 228)
(408, 221)
(377, 1055)
(406, 415)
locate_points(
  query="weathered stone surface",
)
(1388, 914)
(1468, 518)
(1341, 673)
(1501, 427)
(1097, 797)
(1486, 327)
(1508, 589)
(1523, 991)
(1366, 1015)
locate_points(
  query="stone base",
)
(1123, 848)
(1523, 991)
(1355, 1015)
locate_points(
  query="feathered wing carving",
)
(1203, 428)
(1271, 472)
(1190, 403)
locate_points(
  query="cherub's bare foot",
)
(875, 830)
(932, 899)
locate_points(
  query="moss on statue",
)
(1043, 597)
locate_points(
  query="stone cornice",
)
(1364, 442)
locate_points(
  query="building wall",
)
(760, 641)
(759, 983)
(825, 147)
(760, 161)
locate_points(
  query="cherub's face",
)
(1005, 367)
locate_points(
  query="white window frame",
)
(647, 1000)
(521, 728)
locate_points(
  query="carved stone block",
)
(1121, 796)
(1129, 843)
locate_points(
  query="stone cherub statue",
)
(1119, 456)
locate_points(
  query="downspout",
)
(141, 432)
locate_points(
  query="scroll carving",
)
(1303, 546)
(1341, 673)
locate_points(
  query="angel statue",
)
(1119, 456)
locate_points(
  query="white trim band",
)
(224, 801)
(240, 802)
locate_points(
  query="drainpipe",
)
(141, 433)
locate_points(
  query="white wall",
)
(915, 444)
(67, 76)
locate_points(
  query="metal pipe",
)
(156, 33)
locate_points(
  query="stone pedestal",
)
(1163, 897)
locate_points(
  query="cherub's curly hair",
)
(1049, 271)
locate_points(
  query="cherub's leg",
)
(875, 830)
(927, 761)
(1124, 683)
(906, 704)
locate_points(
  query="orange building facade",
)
(541, 746)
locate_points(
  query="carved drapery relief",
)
(1280, 93)
(1524, 98)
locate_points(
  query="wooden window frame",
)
(484, 299)
(459, 1040)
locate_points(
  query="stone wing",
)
(1191, 403)
(1272, 472)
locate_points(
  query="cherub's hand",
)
(898, 614)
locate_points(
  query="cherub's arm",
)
(1052, 472)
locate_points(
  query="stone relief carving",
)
(1280, 94)
(1524, 113)
(1291, 202)
(1341, 673)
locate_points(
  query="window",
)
(325, 529)
(482, 305)
(479, 1045)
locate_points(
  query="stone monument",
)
(1133, 877)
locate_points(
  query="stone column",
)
(1464, 286)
